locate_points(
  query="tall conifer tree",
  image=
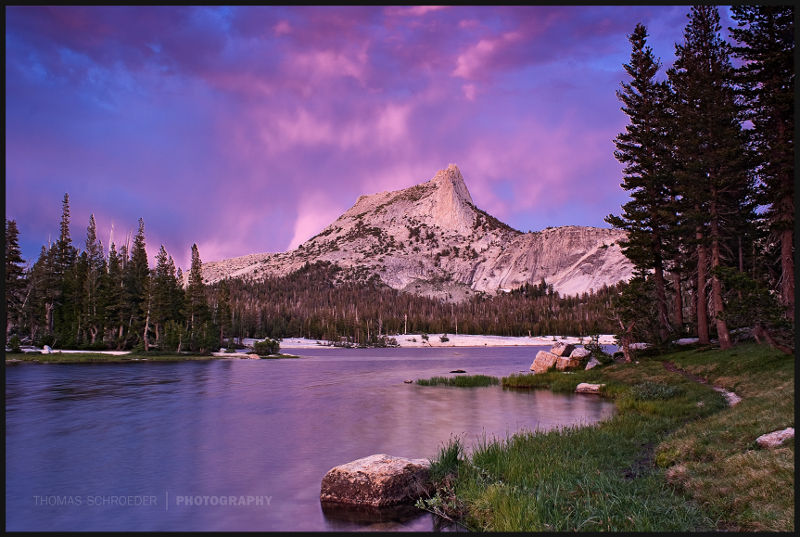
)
(93, 285)
(643, 149)
(766, 44)
(137, 282)
(197, 303)
(713, 176)
(15, 277)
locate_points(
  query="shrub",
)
(597, 350)
(444, 338)
(425, 337)
(14, 344)
(267, 347)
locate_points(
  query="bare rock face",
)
(544, 360)
(585, 387)
(430, 239)
(378, 481)
(775, 438)
(562, 349)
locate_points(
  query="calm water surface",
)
(82, 437)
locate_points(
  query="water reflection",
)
(270, 428)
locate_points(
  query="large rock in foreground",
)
(544, 360)
(378, 481)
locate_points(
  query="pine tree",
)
(94, 307)
(766, 44)
(115, 297)
(15, 278)
(44, 287)
(197, 303)
(65, 253)
(164, 284)
(137, 281)
(643, 148)
(713, 176)
(178, 294)
(66, 293)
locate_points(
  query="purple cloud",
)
(249, 129)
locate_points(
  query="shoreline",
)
(404, 341)
(455, 340)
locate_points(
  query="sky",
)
(250, 129)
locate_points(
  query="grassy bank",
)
(674, 457)
(87, 357)
(465, 381)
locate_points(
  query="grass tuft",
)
(461, 381)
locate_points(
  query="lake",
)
(116, 447)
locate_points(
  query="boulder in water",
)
(378, 480)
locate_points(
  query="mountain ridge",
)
(431, 239)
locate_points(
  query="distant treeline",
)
(312, 302)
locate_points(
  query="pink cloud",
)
(469, 91)
(314, 213)
(474, 62)
(413, 11)
(320, 64)
(282, 27)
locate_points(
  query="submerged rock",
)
(562, 349)
(775, 438)
(378, 480)
(544, 360)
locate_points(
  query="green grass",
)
(463, 381)
(717, 461)
(674, 457)
(87, 357)
(448, 459)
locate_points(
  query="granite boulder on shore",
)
(562, 356)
